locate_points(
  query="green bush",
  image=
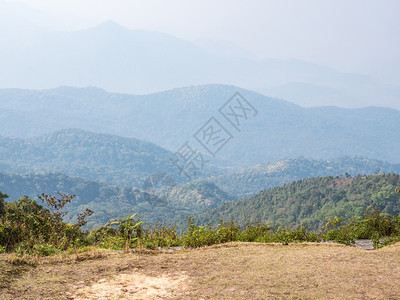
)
(197, 236)
(45, 249)
(161, 236)
(255, 232)
(100, 235)
(2, 203)
(374, 224)
(336, 231)
(227, 232)
(28, 226)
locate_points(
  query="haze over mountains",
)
(118, 59)
(169, 119)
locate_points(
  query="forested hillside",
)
(249, 181)
(312, 200)
(110, 201)
(101, 157)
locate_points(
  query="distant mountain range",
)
(118, 59)
(278, 130)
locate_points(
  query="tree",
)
(2, 202)
(25, 205)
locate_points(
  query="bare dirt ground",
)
(137, 286)
(228, 271)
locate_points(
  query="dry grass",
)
(236, 270)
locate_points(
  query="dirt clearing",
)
(133, 286)
(228, 271)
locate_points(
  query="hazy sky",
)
(351, 35)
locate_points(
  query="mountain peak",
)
(110, 24)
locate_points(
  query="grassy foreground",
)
(226, 271)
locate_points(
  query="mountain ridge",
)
(76, 152)
(147, 61)
(279, 130)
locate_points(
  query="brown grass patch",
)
(234, 270)
(341, 182)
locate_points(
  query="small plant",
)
(129, 229)
(102, 236)
(45, 249)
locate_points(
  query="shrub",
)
(160, 236)
(337, 231)
(255, 232)
(197, 236)
(227, 231)
(374, 224)
(129, 229)
(45, 249)
(29, 226)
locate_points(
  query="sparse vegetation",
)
(37, 240)
(374, 224)
(36, 235)
(27, 227)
